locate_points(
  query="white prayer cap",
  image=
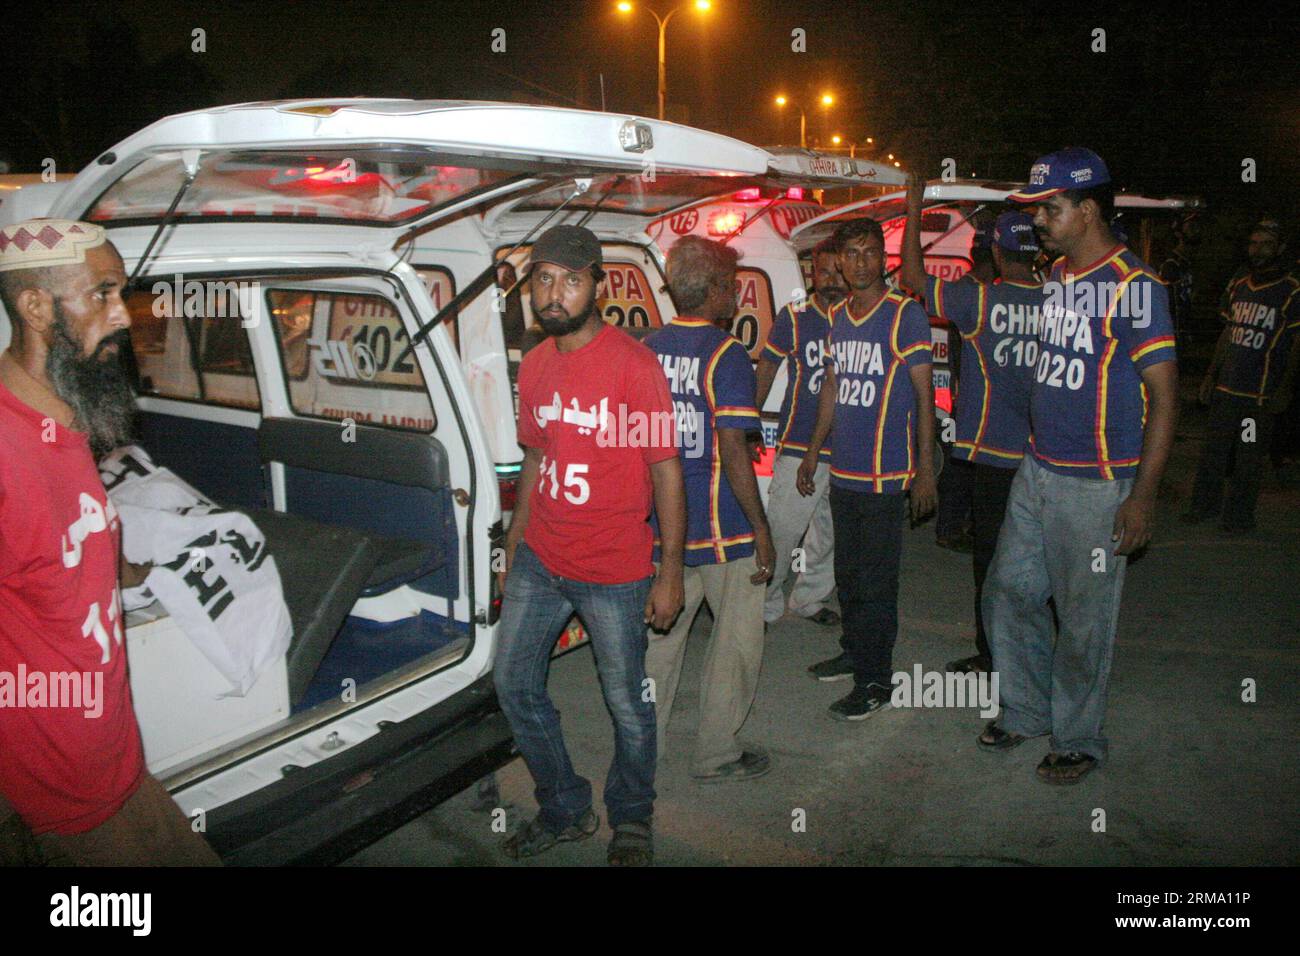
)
(41, 243)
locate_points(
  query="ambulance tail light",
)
(752, 194)
(795, 192)
(943, 399)
(508, 485)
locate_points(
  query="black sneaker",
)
(837, 668)
(861, 703)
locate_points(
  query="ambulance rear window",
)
(371, 186)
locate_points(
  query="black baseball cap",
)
(573, 247)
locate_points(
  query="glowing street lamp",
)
(826, 101)
(701, 6)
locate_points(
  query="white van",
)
(272, 320)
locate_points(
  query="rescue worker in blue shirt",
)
(998, 323)
(729, 554)
(1250, 381)
(798, 341)
(877, 406)
(1103, 407)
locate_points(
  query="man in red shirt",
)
(596, 423)
(71, 762)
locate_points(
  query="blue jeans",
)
(537, 605)
(1056, 543)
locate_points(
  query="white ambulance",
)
(273, 322)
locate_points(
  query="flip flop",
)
(999, 739)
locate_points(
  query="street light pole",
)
(701, 5)
(663, 70)
(782, 100)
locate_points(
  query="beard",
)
(832, 294)
(94, 386)
(559, 322)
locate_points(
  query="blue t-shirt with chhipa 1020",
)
(799, 340)
(1101, 327)
(1263, 319)
(875, 403)
(712, 383)
(999, 324)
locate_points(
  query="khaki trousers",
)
(731, 665)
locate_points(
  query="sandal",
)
(633, 844)
(995, 738)
(533, 838)
(1066, 768)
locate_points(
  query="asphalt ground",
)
(1196, 774)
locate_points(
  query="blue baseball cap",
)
(1071, 168)
(1014, 231)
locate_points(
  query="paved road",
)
(1196, 775)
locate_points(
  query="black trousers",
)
(956, 486)
(1225, 434)
(992, 489)
(868, 551)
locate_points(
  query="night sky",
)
(1174, 104)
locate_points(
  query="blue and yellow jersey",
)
(1262, 318)
(1101, 327)
(798, 339)
(875, 403)
(999, 347)
(712, 383)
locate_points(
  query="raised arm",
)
(912, 272)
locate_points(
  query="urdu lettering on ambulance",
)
(712, 383)
(799, 339)
(65, 769)
(1263, 320)
(1101, 327)
(594, 414)
(999, 325)
(875, 402)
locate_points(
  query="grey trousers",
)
(1056, 543)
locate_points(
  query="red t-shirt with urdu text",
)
(601, 415)
(70, 751)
